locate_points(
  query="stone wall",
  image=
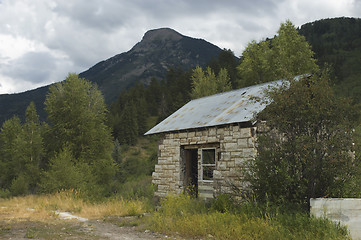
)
(235, 145)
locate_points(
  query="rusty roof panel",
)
(223, 108)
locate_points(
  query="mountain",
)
(159, 50)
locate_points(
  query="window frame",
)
(208, 165)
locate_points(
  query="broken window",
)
(208, 163)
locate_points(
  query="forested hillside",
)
(337, 44)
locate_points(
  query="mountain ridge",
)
(158, 50)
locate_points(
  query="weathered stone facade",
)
(232, 144)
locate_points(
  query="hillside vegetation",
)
(337, 44)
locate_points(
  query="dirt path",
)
(110, 231)
(117, 228)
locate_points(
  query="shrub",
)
(62, 173)
(19, 186)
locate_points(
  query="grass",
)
(41, 207)
(180, 215)
(193, 218)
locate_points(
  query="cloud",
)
(32, 67)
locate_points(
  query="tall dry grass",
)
(42, 207)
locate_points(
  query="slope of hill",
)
(337, 42)
(159, 50)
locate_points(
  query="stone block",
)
(191, 134)
(239, 161)
(222, 165)
(163, 187)
(236, 154)
(230, 146)
(236, 134)
(235, 128)
(195, 139)
(212, 132)
(229, 139)
(212, 139)
(220, 131)
(242, 143)
(225, 156)
(251, 142)
(230, 164)
(183, 135)
(245, 132)
(217, 174)
(169, 136)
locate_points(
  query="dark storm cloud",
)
(33, 67)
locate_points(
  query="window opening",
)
(208, 163)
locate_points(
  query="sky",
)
(41, 41)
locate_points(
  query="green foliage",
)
(337, 43)
(226, 60)
(288, 54)
(206, 83)
(32, 146)
(140, 188)
(256, 65)
(21, 152)
(77, 114)
(10, 164)
(306, 152)
(223, 203)
(19, 186)
(63, 173)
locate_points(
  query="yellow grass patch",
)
(42, 207)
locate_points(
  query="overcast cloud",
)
(42, 40)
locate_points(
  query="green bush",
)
(140, 188)
(223, 203)
(5, 193)
(63, 174)
(19, 186)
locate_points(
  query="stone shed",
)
(205, 143)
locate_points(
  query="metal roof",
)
(224, 108)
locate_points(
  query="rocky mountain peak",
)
(162, 34)
(157, 39)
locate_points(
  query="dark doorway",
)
(191, 171)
